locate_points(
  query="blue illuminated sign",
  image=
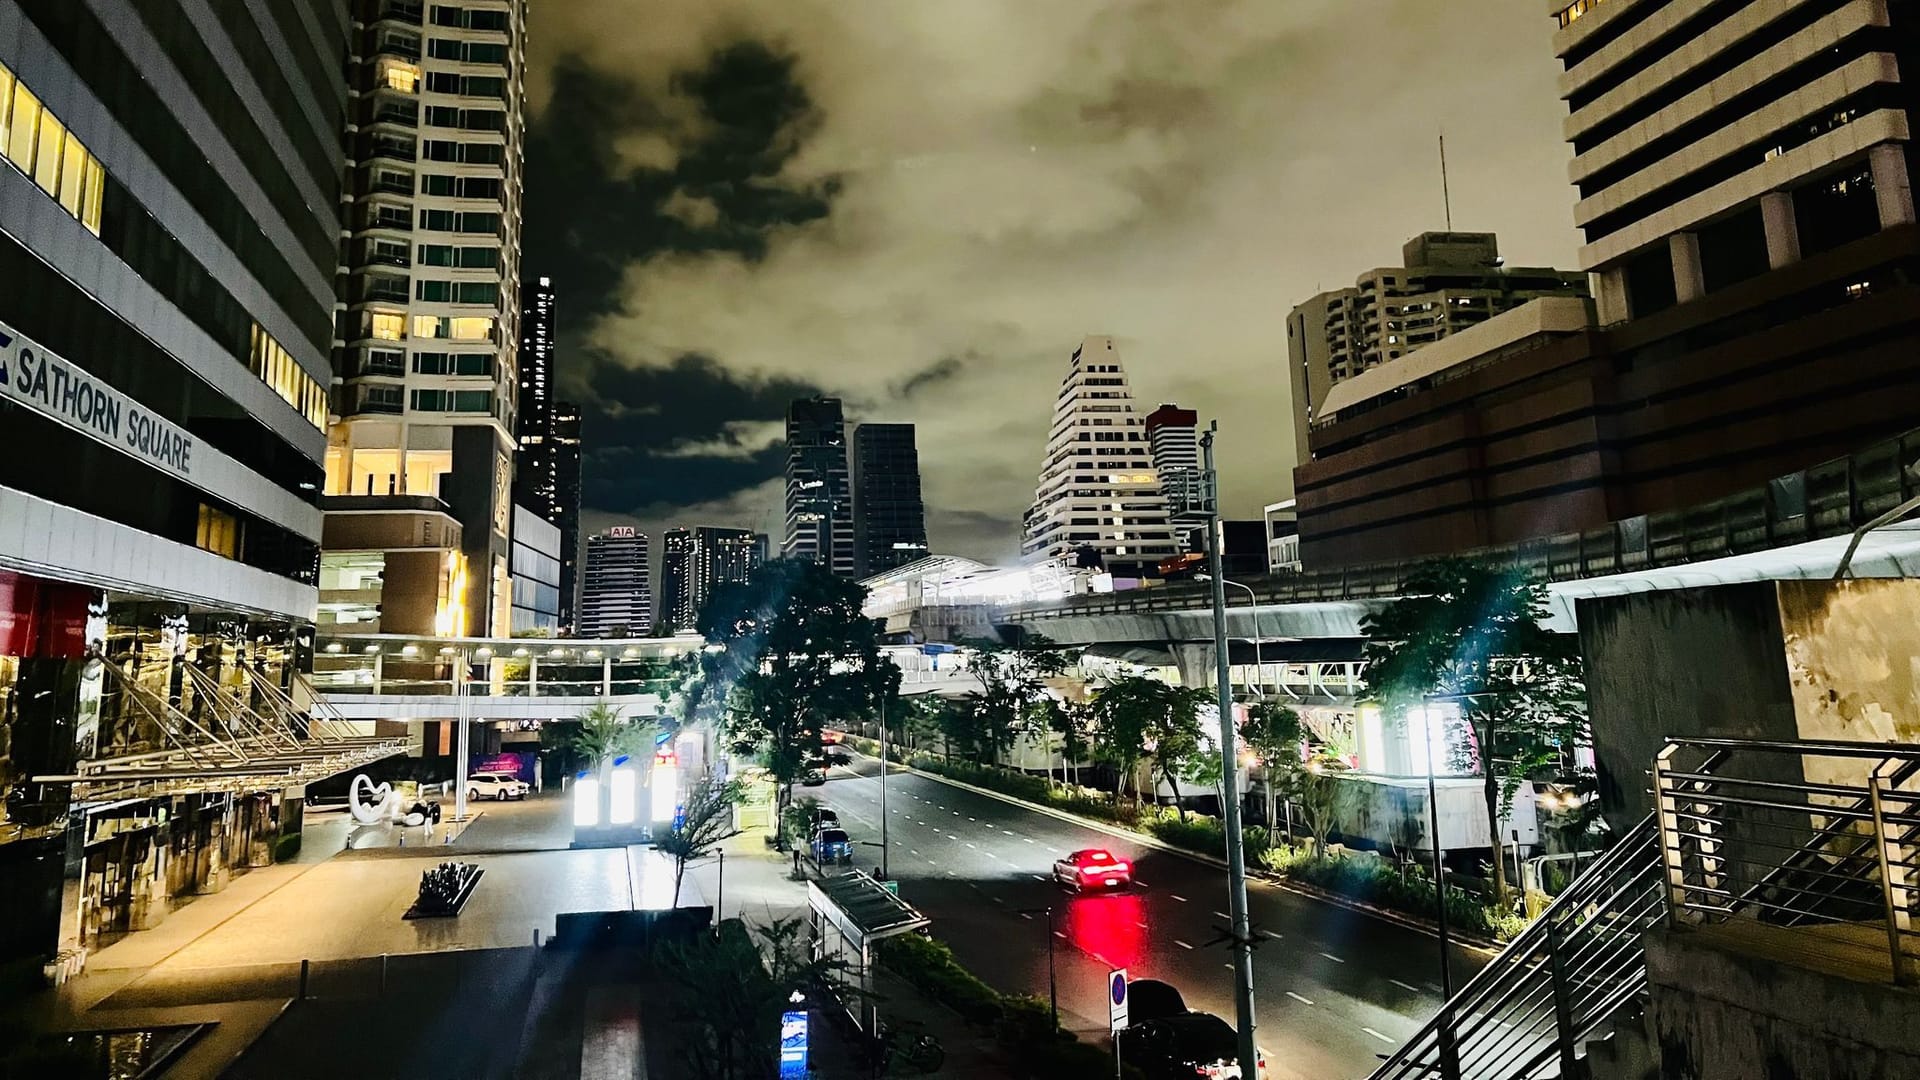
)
(793, 1045)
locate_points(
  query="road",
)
(1332, 988)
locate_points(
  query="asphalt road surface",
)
(1333, 988)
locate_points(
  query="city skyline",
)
(1175, 216)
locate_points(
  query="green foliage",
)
(1375, 882)
(1012, 695)
(1475, 634)
(796, 656)
(1136, 718)
(600, 734)
(929, 966)
(730, 989)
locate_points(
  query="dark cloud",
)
(679, 434)
(942, 370)
(705, 181)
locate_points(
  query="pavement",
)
(234, 958)
(1333, 988)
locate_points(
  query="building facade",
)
(1098, 495)
(536, 481)
(535, 567)
(889, 519)
(1743, 183)
(616, 596)
(695, 562)
(169, 199)
(565, 440)
(819, 494)
(1445, 283)
(428, 331)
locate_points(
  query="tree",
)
(706, 820)
(1142, 718)
(1275, 733)
(1317, 788)
(1472, 634)
(1012, 682)
(598, 736)
(795, 656)
(729, 991)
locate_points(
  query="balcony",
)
(393, 152)
(411, 12)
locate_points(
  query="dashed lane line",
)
(1182, 944)
(1270, 935)
(1298, 998)
(1404, 986)
(1377, 1035)
(1176, 896)
(1223, 915)
(1333, 958)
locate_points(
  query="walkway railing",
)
(1830, 499)
(1815, 841)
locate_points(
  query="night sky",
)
(922, 207)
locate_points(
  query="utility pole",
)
(884, 876)
(462, 737)
(1242, 932)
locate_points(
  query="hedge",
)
(929, 965)
(1375, 882)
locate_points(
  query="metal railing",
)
(1814, 841)
(1558, 983)
(1815, 838)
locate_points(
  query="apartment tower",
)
(429, 328)
(819, 496)
(889, 519)
(616, 599)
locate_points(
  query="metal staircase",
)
(1816, 839)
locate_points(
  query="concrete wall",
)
(1720, 1013)
(1852, 656)
(1690, 661)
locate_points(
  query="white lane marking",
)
(952, 874)
(1028, 839)
(1060, 935)
(1182, 944)
(1223, 915)
(910, 851)
(1038, 877)
(1435, 987)
(991, 855)
(1176, 896)
(1377, 1035)
(1143, 926)
(1229, 967)
(970, 819)
(976, 847)
(1270, 935)
(1140, 883)
(1026, 916)
(956, 813)
(1333, 958)
(1298, 998)
(1404, 986)
(930, 862)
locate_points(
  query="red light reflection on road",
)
(1108, 927)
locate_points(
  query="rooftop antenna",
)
(1446, 199)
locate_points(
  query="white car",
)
(489, 785)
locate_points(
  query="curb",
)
(1466, 941)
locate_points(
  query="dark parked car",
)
(832, 847)
(1184, 1047)
(1151, 999)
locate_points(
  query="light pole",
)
(884, 876)
(1053, 987)
(1449, 1054)
(1242, 942)
(465, 739)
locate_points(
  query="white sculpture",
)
(382, 804)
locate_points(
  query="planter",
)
(444, 891)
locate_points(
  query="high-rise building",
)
(535, 567)
(819, 497)
(428, 330)
(1446, 282)
(889, 520)
(694, 562)
(1173, 439)
(536, 480)
(565, 440)
(616, 599)
(169, 232)
(1098, 496)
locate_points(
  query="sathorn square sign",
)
(55, 388)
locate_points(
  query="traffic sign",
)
(1117, 998)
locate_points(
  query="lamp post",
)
(464, 738)
(884, 876)
(1053, 987)
(1260, 694)
(1242, 934)
(1449, 1053)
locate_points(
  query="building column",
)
(1892, 187)
(1783, 228)
(1688, 282)
(1610, 295)
(1194, 662)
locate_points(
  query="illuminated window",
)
(24, 122)
(389, 327)
(403, 77)
(218, 532)
(46, 159)
(472, 329)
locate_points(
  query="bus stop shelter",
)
(849, 914)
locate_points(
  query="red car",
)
(1093, 869)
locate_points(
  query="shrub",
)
(1376, 882)
(1194, 832)
(930, 966)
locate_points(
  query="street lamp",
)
(1253, 608)
(1053, 987)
